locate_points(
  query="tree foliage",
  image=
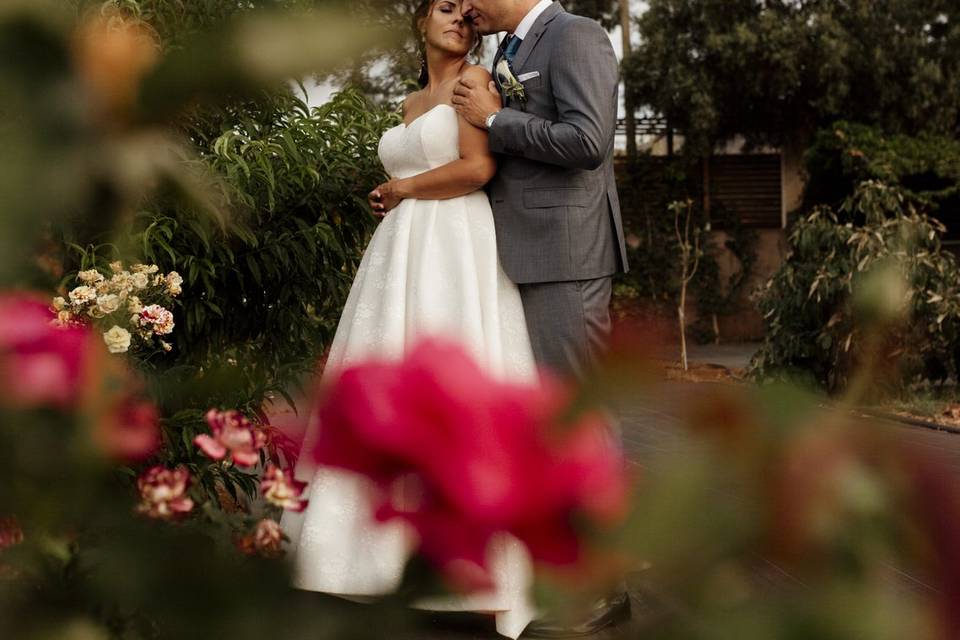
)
(777, 70)
(926, 167)
(606, 12)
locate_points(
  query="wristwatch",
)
(490, 118)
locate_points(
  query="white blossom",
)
(122, 282)
(174, 283)
(117, 340)
(108, 303)
(82, 295)
(90, 276)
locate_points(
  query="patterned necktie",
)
(513, 45)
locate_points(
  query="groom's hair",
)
(420, 14)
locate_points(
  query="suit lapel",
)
(536, 32)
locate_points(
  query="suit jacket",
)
(554, 197)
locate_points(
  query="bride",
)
(431, 269)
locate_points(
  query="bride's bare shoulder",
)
(411, 101)
(476, 73)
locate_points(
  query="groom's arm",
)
(584, 77)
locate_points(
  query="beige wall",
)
(792, 178)
(745, 323)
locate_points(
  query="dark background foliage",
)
(779, 70)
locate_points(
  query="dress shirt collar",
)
(528, 21)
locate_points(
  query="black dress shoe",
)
(604, 612)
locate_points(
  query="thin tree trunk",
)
(681, 315)
(628, 105)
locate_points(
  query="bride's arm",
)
(471, 172)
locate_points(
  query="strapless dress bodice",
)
(430, 141)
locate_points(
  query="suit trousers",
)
(568, 322)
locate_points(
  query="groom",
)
(551, 118)
(554, 198)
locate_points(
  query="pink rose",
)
(40, 364)
(163, 492)
(234, 434)
(279, 487)
(488, 456)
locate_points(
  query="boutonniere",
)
(512, 87)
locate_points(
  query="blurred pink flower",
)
(488, 456)
(268, 538)
(131, 432)
(40, 364)
(279, 487)
(232, 433)
(163, 492)
(10, 532)
(265, 540)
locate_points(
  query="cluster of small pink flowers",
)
(280, 488)
(163, 492)
(232, 433)
(129, 304)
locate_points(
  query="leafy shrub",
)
(265, 279)
(813, 327)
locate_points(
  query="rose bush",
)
(129, 300)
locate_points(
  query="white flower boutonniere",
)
(512, 87)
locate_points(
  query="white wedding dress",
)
(431, 269)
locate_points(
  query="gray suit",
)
(554, 198)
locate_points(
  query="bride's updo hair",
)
(420, 15)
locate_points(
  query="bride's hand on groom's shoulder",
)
(385, 198)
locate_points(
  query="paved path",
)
(732, 356)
